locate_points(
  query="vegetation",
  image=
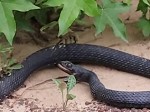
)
(104, 13)
(7, 63)
(63, 86)
(144, 22)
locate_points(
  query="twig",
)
(30, 88)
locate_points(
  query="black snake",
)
(84, 53)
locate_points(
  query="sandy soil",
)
(47, 98)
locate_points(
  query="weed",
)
(71, 82)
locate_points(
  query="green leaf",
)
(143, 7)
(11, 62)
(128, 2)
(53, 3)
(147, 2)
(71, 82)
(72, 10)
(1, 34)
(69, 13)
(22, 23)
(50, 25)
(38, 2)
(89, 7)
(144, 25)
(70, 96)
(7, 21)
(16, 66)
(57, 82)
(109, 16)
(62, 86)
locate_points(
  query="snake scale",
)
(85, 53)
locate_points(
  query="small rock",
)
(87, 103)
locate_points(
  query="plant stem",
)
(66, 97)
(66, 102)
(64, 105)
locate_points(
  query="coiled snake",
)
(84, 53)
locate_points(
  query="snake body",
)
(112, 97)
(84, 53)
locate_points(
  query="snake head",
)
(81, 74)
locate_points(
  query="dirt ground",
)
(47, 98)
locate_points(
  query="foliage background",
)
(22, 14)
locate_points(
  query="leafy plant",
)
(144, 25)
(68, 14)
(7, 63)
(17, 14)
(7, 23)
(71, 11)
(109, 16)
(63, 86)
(144, 22)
